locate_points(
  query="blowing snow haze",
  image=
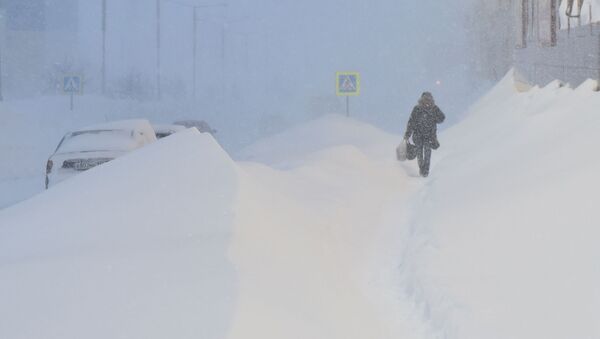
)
(260, 65)
(186, 169)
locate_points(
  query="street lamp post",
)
(103, 71)
(1, 96)
(194, 36)
(195, 53)
(195, 44)
(158, 43)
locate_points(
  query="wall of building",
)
(546, 52)
(574, 59)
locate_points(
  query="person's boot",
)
(424, 171)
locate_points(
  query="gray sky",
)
(281, 54)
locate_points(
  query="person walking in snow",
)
(422, 126)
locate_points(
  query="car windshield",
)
(163, 134)
(97, 140)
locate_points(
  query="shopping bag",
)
(401, 151)
(406, 151)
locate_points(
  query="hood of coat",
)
(426, 100)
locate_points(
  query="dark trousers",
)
(423, 158)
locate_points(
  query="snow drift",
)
(329, 132)
(136, 248)
(505, 233)
(175, 240)
(314, 207)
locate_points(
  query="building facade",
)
(557, 40)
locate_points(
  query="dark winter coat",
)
(422, 125)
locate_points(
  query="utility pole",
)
(194, 37)
(223, 65)
(158, 85)
(103, 47)
(195, 52)
(224, 31)
(195, 44)
(1, 96)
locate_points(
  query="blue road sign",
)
(348, 83)
(73, 84)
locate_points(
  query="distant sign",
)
(73, 84)
(348, 83)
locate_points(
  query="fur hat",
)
(426, 99)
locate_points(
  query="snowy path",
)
(500, 242)
(309, 248)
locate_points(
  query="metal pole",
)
(598, 60)
(590, 22)
(348, 106)
(223, 29)
(195, 51)
(158, 85)
(223, 63)
(103, 47)
(524, 22)
(195, 38)
(554, 22)
(1, 96)
(71, 101)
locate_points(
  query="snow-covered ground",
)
(508, 224)
(134, 249)
(319, 233)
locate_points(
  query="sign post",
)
(347, 84)
(72, 84)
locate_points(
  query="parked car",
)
(95, 145)
(201, 125)
(163, 131)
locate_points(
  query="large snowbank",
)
(294, 145)
(505, 233)
(136, 248)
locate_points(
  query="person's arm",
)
(411, 125)
(439, 116)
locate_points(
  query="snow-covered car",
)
(94, 145)
(163, 131)
(201, 125)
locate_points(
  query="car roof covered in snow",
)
(141, 125)
(129, 125)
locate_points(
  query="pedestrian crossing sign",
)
(73, 84)
(348, 83)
